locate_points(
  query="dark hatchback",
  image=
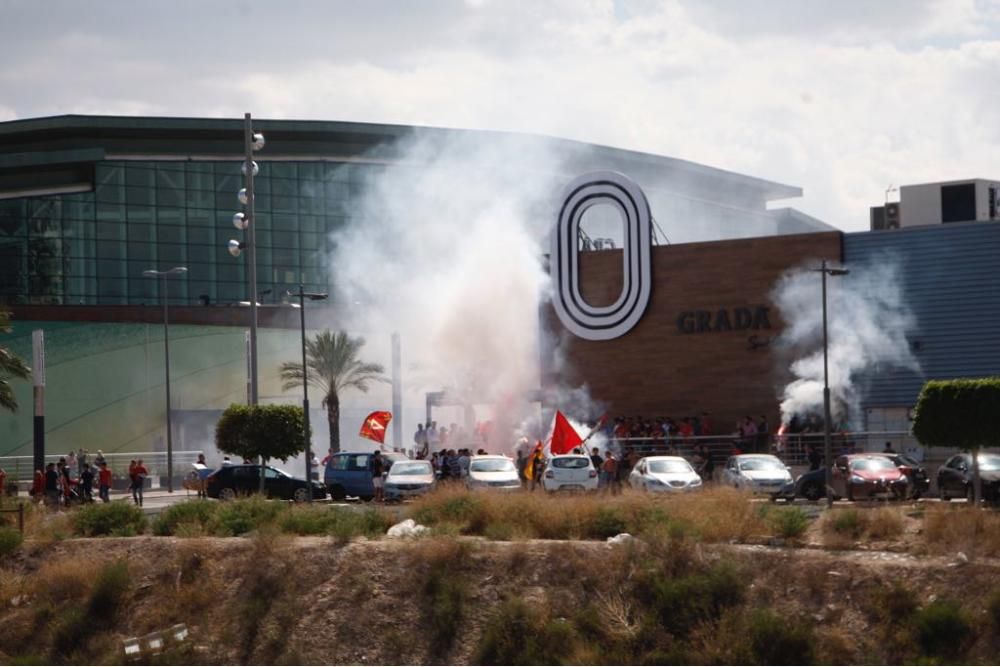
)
(231, 481)
(954, 478)
(810, 485)
(916, 474)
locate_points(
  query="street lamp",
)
(246, 220)
(827, 445)
(312, 296)
(176, 271)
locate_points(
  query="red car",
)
(867, 476)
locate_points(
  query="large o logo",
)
(602, 322)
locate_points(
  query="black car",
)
(810, 485)
(916, 475)
(954, 478)
(231, 481)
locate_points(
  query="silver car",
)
(759, 473)
(664, 473)
(409, 478)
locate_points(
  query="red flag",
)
(564, 436)
(375, 425)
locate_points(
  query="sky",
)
(844, 99)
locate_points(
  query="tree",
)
(261, 431)
(961, 413)
(11, 366)
(334, 366)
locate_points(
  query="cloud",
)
(840, 98)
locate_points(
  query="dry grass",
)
(714, 515)
(971, 530)
(884, 523)
(67, 578)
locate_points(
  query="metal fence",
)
(19, 468)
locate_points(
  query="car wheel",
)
(850, 493)
(301, 495)
(337, 492)
(970, 494)
(812, 491)
(226, 494)
(942, 494)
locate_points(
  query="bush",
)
(608, 522)
(943, 630)
(789, 522)
(518, 634)
(683, 602)
(244, 515)
(993, 611)
(10, 540)
(445, 594)
(110, 587)
(198, 513)
(121, 519)
(895, 604)
(778, 640)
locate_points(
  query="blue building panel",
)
(950, 276)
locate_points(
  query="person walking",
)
(87, 483)
(610, 472)
(378, 467)
(52, 486)
(104, 482)
(139, 474)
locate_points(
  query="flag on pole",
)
(529, 466)
(375, 425)
(564, 436)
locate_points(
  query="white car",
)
(492, 472)
(664, 473)
(409, 478)
(570, 472)
(760, 473)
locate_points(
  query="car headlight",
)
(857, 480)
(654, 481)
(695, 482)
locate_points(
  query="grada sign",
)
(618, 318)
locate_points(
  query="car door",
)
(277, 484)
(635, 478)
(950, 478)
(359, 476)
(245, 480)
(840, 475)
(731, 475)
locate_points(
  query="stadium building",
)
(87, 203)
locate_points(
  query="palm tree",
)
(333, 367)
(10, 366)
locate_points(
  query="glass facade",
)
(92, 247)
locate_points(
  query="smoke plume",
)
(868, 324)
(445, 247)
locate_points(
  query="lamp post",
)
(176, 271)
(827, 444)
(246, 220)
(312, 296)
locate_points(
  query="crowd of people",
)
(73, 478)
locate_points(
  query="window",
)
(358, 462)
(339, 462)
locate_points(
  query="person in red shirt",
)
(104, 483)
(139, 475)
(38, 487)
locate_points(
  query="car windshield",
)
(669, 466)
(414, 468)
(571, 462)
(872, 464)
(761, 464)
(907, 461)
(989, 462)
(492, 465)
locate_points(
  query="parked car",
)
(231, 481)
(407, 479)
(954, 478)
(809, 485)
(917, 479)
(867, 475)
(570, 472)
(492, 472)
(664, 473)
(760, 473)
(350, 473)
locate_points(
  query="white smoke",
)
(447, 251)
(868, 324)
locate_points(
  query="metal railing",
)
(19, 468)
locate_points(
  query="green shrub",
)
(191, 513)
(943, 630)
(518, 634)
(119, 518)
(110, 588)
(681, 603)
(445, 593)
(789, 522)
(607, 522)
(70, 633)
(847, 522)
(244, 515)
(895, 604)
(993, 611)
(10, 540)
(778, 640)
